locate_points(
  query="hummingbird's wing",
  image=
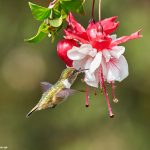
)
(45, 86)
(65, 93)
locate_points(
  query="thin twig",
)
(100, 3)
(51, 5)
(93, 9)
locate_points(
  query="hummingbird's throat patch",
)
(66, 83)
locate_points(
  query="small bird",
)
(57, 93)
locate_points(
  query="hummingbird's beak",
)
(82, 70)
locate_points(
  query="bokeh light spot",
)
(22, 69)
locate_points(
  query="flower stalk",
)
(106, 94)
(87, 96)
(95, 92)
(115, 100)
(52, 4)
(99, 14)
(93, 6)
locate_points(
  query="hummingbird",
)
(59, 92)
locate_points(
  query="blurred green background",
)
(71, 126)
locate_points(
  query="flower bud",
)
(62, 49)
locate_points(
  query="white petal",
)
(91, 79)
(104, 69)
(106, 55)
(117, 51)
(74, 54)
(123, 67)
(93, 52)
(91, 83)
(78, 53)
(79, 64)
(86, 46)
(113, 37)
(88, 63)
(89, 76)
(117, 69)
(96, 62)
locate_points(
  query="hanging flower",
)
(98, 51)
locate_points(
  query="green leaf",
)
(72, 5)
(80, 10)
(65, 0)
(56, 22)
(63, 13)
(53, 18)
(42, 32)
(39, 13)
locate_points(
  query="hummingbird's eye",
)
(75, 71)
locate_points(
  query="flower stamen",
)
(106, 94)
(115, 100)
(93, 9)
(100, 3)
(95, 93)
(87, 97)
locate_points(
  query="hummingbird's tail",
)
(33, 110)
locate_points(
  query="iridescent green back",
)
(66, 73)
(47, 97)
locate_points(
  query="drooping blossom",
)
(98, 51)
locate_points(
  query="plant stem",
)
(106, 94)
(87, 97)
(52, 4)
(93, 9)
(100, 3)
(99, 14)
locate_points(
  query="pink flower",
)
(114, 65)
(99, 52)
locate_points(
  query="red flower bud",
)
(62, 49)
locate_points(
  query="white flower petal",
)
(91, 83)
(89, 76)
(104, 69)
(93, 52)
(79, 64)
(78, 53)
(88, 63)
(113, 37)
(85, 48)
(117, 69)
(106, 55)
(123, 67)
(96, 62)
(74, 54)
(117, 51)
(91, 79)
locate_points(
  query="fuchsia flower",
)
(98, 51)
